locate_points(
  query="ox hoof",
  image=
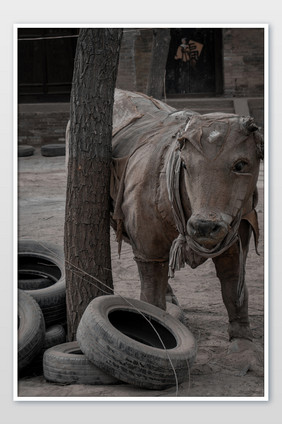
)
(170, 296)
(172, 299)
(243, 356)
(174, 310)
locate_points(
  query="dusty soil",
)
(41, 205)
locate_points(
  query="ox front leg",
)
(227, 269)
(243, 354)
(154, 280)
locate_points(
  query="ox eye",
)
(241, 166)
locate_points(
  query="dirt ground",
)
(41, 205)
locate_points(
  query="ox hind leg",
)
(154, 282)
(227, 269)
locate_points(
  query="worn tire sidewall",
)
(50, 298)
(25, 150)
(125, 358)
(61, 365)
(40, 280)
(31, 330)
(53, 150)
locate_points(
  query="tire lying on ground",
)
(25, 150)
(31, 329)
(53, 150)
(46, 259)
(54, 335)
(66, 364)
(136, 342)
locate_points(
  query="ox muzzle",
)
(207, 232)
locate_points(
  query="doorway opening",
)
(194, 64)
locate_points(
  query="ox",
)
(183, 189)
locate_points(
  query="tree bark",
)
(87, 216)
(155, 86)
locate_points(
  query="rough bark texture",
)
(87, 219)
(158, 62)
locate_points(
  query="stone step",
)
(203, 105)
(45, 123)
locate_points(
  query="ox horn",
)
(248, 124)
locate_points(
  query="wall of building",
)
(243, 74)
(243, 62)
(126, 78)
(143, 48)
(242, 54)
(42, 123)
(134, 62)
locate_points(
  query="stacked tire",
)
(42, 319)
(118, 339)
(31, 329)
(53, 336)
(41, 274)
(41, 303)
(124, 340)
(66, 364)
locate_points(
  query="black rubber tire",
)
(25, 150)
(115, 336)
(31, 329)
(34, 280)
(48, 259)
(66, 364)
(52, 150)
(54, 335)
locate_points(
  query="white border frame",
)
(266, 215)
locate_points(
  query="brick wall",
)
(135, 57)
(243, 61)
(43, 123)
(143, 48)
(243, 65)
(126, 78)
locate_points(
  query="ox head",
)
(220, 155)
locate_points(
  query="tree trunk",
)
(160, 49)
(87, 216)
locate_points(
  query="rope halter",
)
(184, 248)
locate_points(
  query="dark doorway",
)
(196, 67)
(45, 63)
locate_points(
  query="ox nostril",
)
(216, 228)
(204, 228)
